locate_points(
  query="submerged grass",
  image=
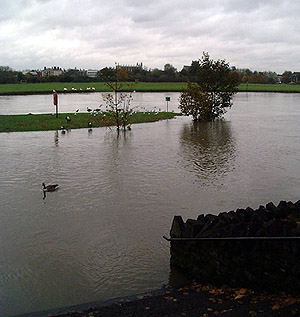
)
(44, 122)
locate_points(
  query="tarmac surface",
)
(197, 300)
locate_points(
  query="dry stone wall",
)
(271, 265)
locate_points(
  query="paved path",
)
(199, 300)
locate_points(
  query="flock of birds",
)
(74, 89)
(93, 112)
(97, 111)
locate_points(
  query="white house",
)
(54, 71)
(92, 73)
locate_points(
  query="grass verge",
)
(44, 122)
(47, 88)
(269, 88)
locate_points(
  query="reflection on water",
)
(56, 138)
(208, 148)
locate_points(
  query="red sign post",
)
(55, 101)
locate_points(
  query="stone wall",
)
(270, 265)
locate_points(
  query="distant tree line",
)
(136, 74)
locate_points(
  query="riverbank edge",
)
(48, 122)
(28, 93)
(191, 300)
(94, 304)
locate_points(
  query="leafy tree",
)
(20, 76)
(235, 76)
(193, 70)
(169, 69)
(255, 78)
(8, 76)
(286, 77)
(196, 103)
(209, 97)
(108, 74)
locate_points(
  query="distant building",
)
(186, 68)
(130, 68)
(30, 72)
(54, 71)
(279, 78)
(25, 71)
(75, 72)
(92, 73)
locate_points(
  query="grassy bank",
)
(269, 88)
(46, 88)
(43, 122)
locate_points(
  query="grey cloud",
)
(94, 33)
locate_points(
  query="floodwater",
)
(99, 235)
(71, 102)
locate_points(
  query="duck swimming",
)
(50, 188)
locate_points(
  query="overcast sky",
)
(256, 34)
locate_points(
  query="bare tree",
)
(117, 102)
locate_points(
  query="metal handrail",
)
(231, 238)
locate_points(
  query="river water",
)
(99, 235)
(71, 102)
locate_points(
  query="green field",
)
(46, 88)
(43, 122)
(270, 87)
(28, 88)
